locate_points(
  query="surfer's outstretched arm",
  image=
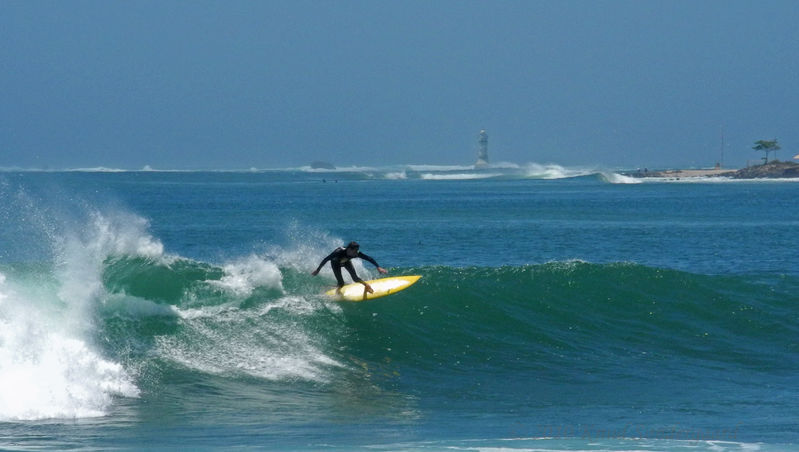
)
(322, 264)
(373, 262)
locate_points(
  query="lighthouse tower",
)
(482, 151)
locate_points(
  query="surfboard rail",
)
(382, 287)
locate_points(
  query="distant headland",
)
(771, 170)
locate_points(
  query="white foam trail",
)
(272, 341)
(270, 349)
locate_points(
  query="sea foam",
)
(50, 363)
(271, 342)
(48, 370)
(243, 276)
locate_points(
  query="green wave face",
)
(551, 321)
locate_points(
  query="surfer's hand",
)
(315, 272)
(369, 288)
(382, 270)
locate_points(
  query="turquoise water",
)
(558, 310)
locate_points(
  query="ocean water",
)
(559, 309)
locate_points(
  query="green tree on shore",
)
(767, 146)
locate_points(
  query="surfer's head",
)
(352, 249)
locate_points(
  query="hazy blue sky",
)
(234, 84)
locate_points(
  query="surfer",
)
(342, 257)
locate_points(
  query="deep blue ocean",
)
(559, 309)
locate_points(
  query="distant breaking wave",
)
(552, 171)
(505, 169)
(501, 170)
(616, 178)
(459, 176)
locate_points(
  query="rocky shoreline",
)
(771, 170)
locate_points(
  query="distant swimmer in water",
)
(342, 257)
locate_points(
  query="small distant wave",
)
(341, 169)
(505, 170)
(399, 175)
(430, 168)
(459, 176)
(103, 169)
(553, 171)
(616, 178)
(504, 165)
(97, 169)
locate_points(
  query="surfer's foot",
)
(369, 288)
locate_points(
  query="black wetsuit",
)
(338, 258)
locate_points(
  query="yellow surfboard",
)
(381, 287)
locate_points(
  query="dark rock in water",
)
(322, 165)
(774, 170)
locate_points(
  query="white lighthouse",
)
(482, 151)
